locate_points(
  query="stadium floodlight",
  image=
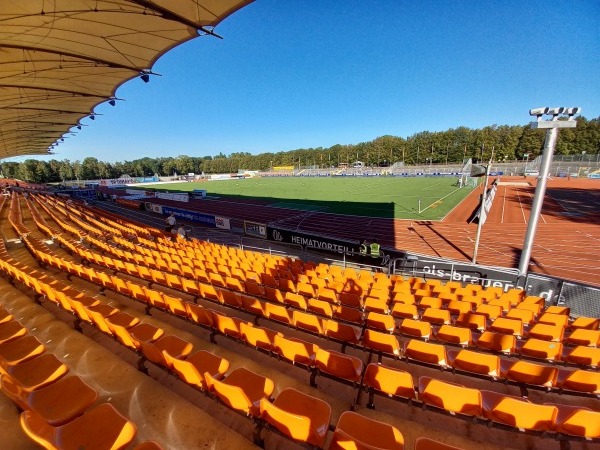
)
(555, 112)
(538, 112)
(551, 127)
(571, 112)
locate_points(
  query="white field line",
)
(541, 215)
(447, 195)
(521, 205)
(503, 204)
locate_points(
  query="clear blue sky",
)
(308, 73)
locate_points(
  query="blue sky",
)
(306, 73)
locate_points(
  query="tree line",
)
(452, 146)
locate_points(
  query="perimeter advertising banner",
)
(312, 242)
(255, 229)
(192, 216)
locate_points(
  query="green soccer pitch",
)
(418, 198)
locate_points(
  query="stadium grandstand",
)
(268, 327)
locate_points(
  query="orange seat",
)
(546, 332)
(191, 370)
(57, 403)
(308, 322)
(99, 428)
(579, 380)
(381, 342)
(320, 307)
(339, 365)
(349, 314)
(532, 373)
(588, 323)
(523, 414)
(474, 362)
(585, 356)
(454, 335)
(376, 304)
(459, 307)
(242, 390)
(299, 416)
(436, 316)
(354, 430)
(295, 300)
(175, 346)
(497, 342)
(524, 315)
(554, 319)
(295, 350)
(278, 313)
(450, 397)
(416, 328)
(19, 350)
(507, 326)
(489, 311)
(38, 372)
(342, 332)
(537, 348)
(258, 337)
(404, 310)
(475, 322)
(11, 330)
(381, 322)
(581, 336)
(581, 422)
(426, 352)
(390, 381)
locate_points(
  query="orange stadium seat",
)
(389, 381)
(242, 390)
(295, 350)
(38, 372)
(381, 342)
(453, 398)
(299, 416)
(99, 428)
(308, 322)
(455, 335)
(192, 369)
(356, 431)
(339, 365)
(381, 322)
(426, 352)
(416, 328)
(258, 337)
(497, 342)
(582, 336)
(518, 413)
(342, 332)
(474, 362)
(532, 373)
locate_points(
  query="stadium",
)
(347, 307)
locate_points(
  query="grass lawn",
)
(364, 196)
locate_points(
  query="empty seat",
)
(175, 346)
(426, 352)
(242, 390)
(295, 300)
(579, 380)
(381, 342)
(19, 350)
(295, 350)
(389, 381)
(523, 414)
(532, 373)
(56, 403)
(497, 342)
(459, 307)
(507, 326)
(308, 322)
(585, 356)
(258, 337)
(381, 322)
(537, 348)
(405, 311)
(475, 362)
(342, 332)
(278, 313)
(99, 428)
(228, 326)
(581, 336)
(588, 323)
(38, 372)
(475, 322)
(192, 369)
(581, 422)
(354, 430)
(376, 304)
(524, 315)
(454, 335)
(416, 328)
(436, 316)
(453, 398)
(349, 314)
(299, 416)
(11, 330)
(339, 365)
(547, 332)
(489, 311)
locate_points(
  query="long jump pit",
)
(514, 183)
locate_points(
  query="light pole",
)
(552, 125)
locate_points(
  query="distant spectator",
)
(170, 222)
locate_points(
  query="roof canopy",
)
(61, 58)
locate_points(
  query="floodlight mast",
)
(552, 125)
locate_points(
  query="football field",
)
(416, 198)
